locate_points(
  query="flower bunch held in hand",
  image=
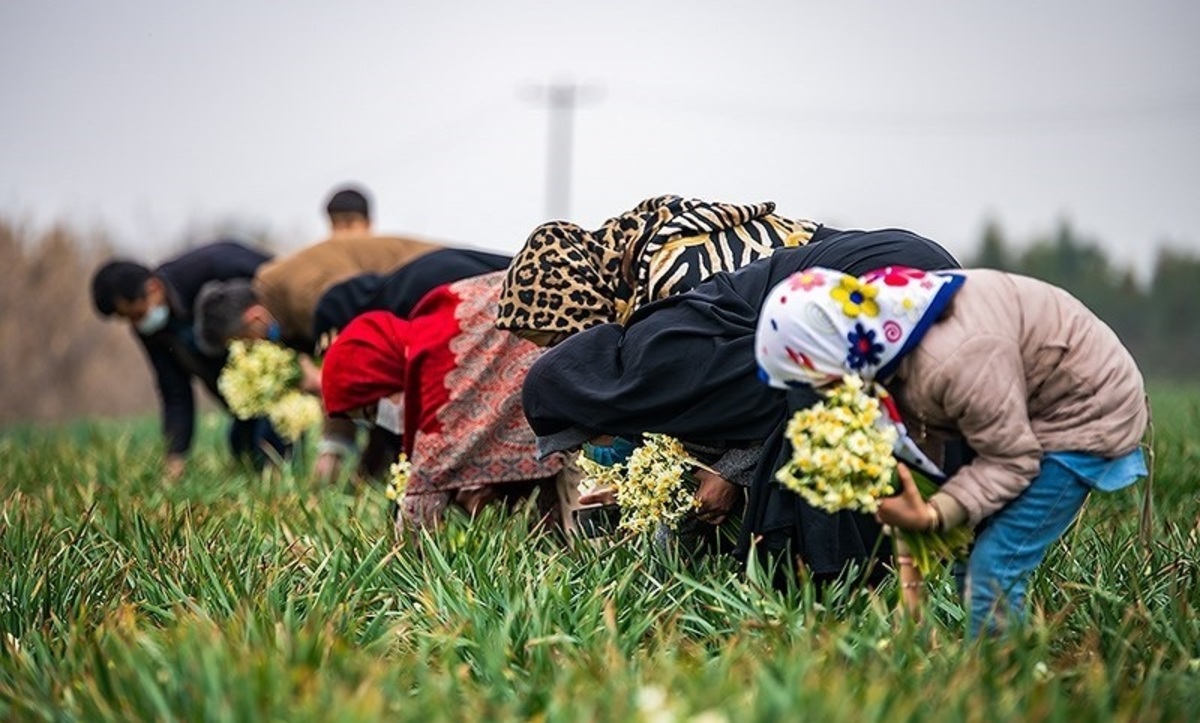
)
(398, 475)
(294, 413)
(256, 375)
(841, 451)
(261, 378)
(598, 476)
(655, 486)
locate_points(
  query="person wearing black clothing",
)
(157, 304)
(397, 292)
(400, 290)
(685, 366)
(234, 310)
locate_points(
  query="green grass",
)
(235, 596)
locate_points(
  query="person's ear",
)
(251, 317)
(154, 290)
(256, 319)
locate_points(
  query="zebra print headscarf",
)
(566, 279)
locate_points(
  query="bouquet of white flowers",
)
(842, 459)
(841, 454)
(655, 486)
(262, 379)
(294, 413)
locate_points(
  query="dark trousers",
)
(251, 438)
(382, 449)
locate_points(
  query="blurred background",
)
(1059, 139)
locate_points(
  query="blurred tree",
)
(1172, 322)
(58, 360)
(1157, 324)
(993, 251)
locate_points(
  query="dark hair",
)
(219, 311)
(349, 199)
(114, 280)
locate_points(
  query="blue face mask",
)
(154, 320)
(274, 333)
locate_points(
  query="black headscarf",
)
(400, 290)
(685, 366)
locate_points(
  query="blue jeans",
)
(1013, 542)
(252, 437)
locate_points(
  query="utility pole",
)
(561, 99)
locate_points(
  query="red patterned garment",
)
(461, 380)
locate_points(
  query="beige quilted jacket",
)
(1019, 368)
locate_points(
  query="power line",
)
(1069, 117)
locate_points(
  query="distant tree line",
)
(59, 361)
(1158, 321)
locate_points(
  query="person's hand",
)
(908, 510)
(310, 376)
(598, 496)
(717, 496)
(327, 466)
(173, 468)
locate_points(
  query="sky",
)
(161, 121)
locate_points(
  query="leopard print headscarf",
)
(566, 279)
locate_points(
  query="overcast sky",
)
(154, 118)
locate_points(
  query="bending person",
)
(566, 279)
(1043, 391)
(685, 366)
(317, 290)
(398, 291)
(458, 380)
(157, 305)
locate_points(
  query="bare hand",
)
(327, 467)
(173, 468)
(908, 511)
(310, 376)
(599, 496)
(717, 496)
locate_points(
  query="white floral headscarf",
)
(819, 325)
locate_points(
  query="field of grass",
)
(234, 596)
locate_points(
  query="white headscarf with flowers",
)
(819, 325)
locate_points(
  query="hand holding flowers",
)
(842, 459)
(261, 378)
(655, 486)
(908, 510)
(920, 525)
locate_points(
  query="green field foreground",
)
(235, 596)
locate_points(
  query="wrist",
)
(951, 512)
(935, 518)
